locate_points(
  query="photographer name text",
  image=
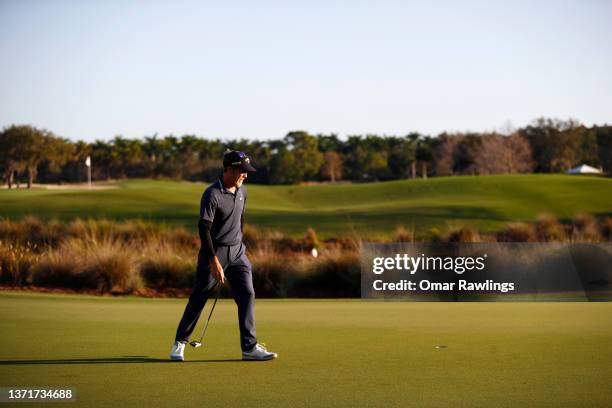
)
(413, 264)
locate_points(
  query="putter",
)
(196, 344)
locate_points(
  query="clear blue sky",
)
(258, 69)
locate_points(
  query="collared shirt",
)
(224, 210)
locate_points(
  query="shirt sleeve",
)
(208, 206)
(205, 238)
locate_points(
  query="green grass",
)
(331, 353)
(370, 210)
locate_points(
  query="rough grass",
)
(108, 266)
(363, 211)
(135, 257)
(331, 353)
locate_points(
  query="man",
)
(222, 256)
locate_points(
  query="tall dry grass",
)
(606, 229)
(334, 274)
(163, 265)
(461, 234)
(51, 233)
(518, 232)
(131, 256)
(402, 234)
(107, 265)
(16, 262)
(585, 229)
(274, 273)
(549, 229)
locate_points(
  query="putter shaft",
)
(196, 344)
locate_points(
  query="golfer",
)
(222, 256)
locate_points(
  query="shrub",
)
(462, 234)
(403, 235)
(16, 263)
(89, 230)
(105, 265)
(283, 244)
(273, 274)
(518, 232)
(334, 274)
(179, 236)
(114, 267)
(549, 229)
(585, 229)
(163, 266)
(311, 240)
(125, 256)
(606, 228)
(31, 230)
(251, 236)
(55, 233)
(434, 235)
(63, 268)
(8, 230)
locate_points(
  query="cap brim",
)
(247, 167)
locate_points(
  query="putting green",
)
(331, 353)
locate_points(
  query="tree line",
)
(28, 154)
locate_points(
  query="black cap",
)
(237, 159)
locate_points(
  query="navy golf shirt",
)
(224, 210)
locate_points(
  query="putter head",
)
(195, 344)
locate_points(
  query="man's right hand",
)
(217, 269)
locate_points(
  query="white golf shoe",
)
(259, 352)
(178, 350)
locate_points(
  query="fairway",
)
(372, 210)
(331, 353)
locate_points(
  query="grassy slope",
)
(374, 209)
(332, 353)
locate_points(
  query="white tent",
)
(584, 169)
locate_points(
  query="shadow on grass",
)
(111, 360)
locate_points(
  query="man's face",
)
(238, 176)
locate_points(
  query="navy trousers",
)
(238, 272)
